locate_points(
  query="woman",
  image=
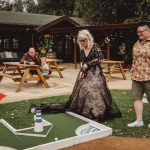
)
(90, 97)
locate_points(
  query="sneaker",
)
(149, 125)
(136, 124)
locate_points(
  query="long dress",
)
(91, 97)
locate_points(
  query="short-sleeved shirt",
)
(140, 70)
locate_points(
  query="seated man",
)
(31, 57)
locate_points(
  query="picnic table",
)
(21, 73)
(112, 66)
(53, 63)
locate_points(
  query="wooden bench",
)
(60, 67)
(14, 77)
(17, 77)
(53, 64)
(22, 73)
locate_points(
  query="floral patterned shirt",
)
(140, 70)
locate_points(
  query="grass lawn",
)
(17, 114)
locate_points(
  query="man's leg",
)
(137, 94)
(147, 91)
(138, 105)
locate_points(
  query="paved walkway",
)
(58, 86)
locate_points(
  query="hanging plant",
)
(44, 43)
(122, 52)
(42, 51)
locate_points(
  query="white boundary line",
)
(17, 131)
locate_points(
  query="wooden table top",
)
(112, 61)
(18, 64)
(52, 60)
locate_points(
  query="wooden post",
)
(107, 41)
(75, 52)
(32, 39)
(108, 51)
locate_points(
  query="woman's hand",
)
(81, 75)
(84, 66)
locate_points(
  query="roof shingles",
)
(21, 18)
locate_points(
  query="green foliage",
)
(5, 5)
(18, 6)
(114, 11)
(57, 7)
(44, 43)
(93, 11)
(31, 6)
(142, 9)
(96, 11)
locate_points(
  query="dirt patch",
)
(114, 143)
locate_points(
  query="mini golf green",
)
(64, 126)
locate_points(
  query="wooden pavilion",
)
(17, 31)
(64, 39)
(20, 30)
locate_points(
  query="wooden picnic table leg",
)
(17, 69)
(111, 72)
(122, 71)
(4, 70)
(1, 77)
(58, 70)
(42, 77)
(23, 79)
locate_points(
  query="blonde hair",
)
(85, 34)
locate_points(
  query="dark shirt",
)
(36, 59)
(93, 59)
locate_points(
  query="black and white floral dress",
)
(91, 97)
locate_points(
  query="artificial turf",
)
(64, 127)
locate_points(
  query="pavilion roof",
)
(21, 18)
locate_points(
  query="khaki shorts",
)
(139, 88)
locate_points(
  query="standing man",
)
(31, 57)
(140, 72)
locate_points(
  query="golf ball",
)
(56, 138)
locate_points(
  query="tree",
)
(6, 5)
(30, 6)
(142, 9)
(18, 6)
(96, 11)
(57, 7)
(125, 9)
(80, 7)
(114, 11)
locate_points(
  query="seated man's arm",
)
(23, 59)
